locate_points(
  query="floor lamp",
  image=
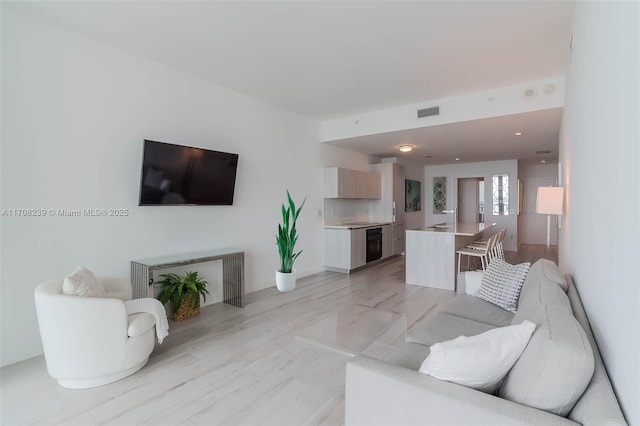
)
(549, 201)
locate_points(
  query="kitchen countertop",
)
(466, 229)
(357, 225)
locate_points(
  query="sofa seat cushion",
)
(442, 327)
(470, 307)
(140, 324)
(555, 368)
(411, 355)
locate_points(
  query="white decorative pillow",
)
(502, 282)
(83, 283)
(479, 362)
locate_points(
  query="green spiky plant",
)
(287, 235)
(177, 290)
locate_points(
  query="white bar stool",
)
(497, 251)
(485, 254)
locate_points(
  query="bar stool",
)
(497, 251)
(485, 254)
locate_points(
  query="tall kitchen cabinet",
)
(390, 207)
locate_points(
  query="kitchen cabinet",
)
(390, 206)
(358, 247)
(387, 241)
(398, 238)
(346, 183)
(345, 248)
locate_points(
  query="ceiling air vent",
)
(428, 112)
(546, 151)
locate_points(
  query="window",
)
(501, 194)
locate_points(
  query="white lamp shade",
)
(549, 200)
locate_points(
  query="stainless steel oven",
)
(374, 244)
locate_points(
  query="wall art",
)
(439, 194)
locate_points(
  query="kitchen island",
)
(431, 258)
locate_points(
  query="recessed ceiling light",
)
(543, 161)
(406, 147)
(457, 158)
(518, 133)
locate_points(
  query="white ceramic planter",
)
(286, 282)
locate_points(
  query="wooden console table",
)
(232, 272)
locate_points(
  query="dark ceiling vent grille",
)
(546, 151)
(428, 112)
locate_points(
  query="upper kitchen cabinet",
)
(347, 183)
(390, 208)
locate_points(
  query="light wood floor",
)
(244, 366)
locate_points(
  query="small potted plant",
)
(184, 294)
(286, 239)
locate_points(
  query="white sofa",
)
(558, 380)
(91, 341)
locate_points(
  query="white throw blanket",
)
(153, 307)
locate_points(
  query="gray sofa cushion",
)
(598, 405)
(410, 356)
(470, 307)
(556, 366)
(543, 292)
(443, 327)
(541, 270)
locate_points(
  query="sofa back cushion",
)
(556, 366)
(598, 404)
(541, 270)
(543, 292)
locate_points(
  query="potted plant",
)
(183, 293)
(286, 240)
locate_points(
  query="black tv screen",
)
(183, 175)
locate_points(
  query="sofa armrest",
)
(378, 393)
(468, 279)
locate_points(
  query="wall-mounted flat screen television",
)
(182, 175)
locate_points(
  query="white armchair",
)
(91, 341)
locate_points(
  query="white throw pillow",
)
(502, 282)
(479, 362)
(83, 283)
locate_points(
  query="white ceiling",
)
(327, 59)
(470, 141)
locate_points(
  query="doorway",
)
(535, 224)
(471, 200)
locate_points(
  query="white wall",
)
(600, 152)
(530, 171)
(468, 170)
(74, 115)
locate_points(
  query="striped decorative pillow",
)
(502, 282)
